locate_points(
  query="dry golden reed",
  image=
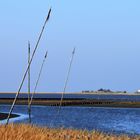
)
(29, 132)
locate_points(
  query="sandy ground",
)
(82, 93)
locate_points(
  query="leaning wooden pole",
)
(24, 76)
(29, 109)
(39, 75)
(67, 78)
(65, 86)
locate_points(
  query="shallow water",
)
(115, 120)
(79, 96)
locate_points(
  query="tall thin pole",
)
(29, 110)
(65, 85)
(39, 75)
(67, 78)
(24, 76)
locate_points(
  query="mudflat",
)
(75, 102)
(4, 116)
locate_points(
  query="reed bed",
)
(30, 132)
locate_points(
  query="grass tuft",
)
(30, 132)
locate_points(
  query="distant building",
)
(88, 91)
(85, 91)
(138, 91)
(105, 90)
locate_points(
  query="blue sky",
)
(106, 35)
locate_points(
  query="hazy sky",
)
(106, 34)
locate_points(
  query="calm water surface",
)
(79, 96)
(115, 120)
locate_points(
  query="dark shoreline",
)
(4, 116)
(75, 102)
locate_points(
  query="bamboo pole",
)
(67, 78)
(24, 76)
(65, 86)
(29, 109)
(39, 75)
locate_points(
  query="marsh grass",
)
(29, 132)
